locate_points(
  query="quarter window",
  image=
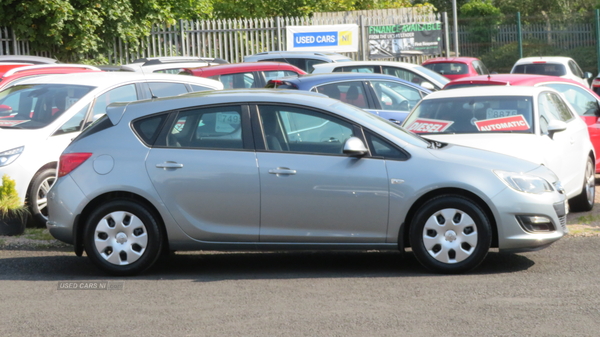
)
(291, 129)
(165, 89)
(126, 93)
(396, 96)
(552, 107)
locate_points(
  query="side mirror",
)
(587, 75)
(355, 147)
(556, 126)
(427, 85)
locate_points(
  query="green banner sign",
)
(405, 40)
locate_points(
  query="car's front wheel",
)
(585, 200)
(450, 234)
(37, 196)
(122, 237)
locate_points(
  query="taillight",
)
(70, 161)
(596, 82)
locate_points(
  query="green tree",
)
(74, 30)
(234, 9)
(481, 18)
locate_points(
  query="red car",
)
(8, 75)
(456, 67)
(247, 74)
(583, 100)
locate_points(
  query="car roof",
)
(27, 58)
(510, 79)
(49, 68)
(177, 59)
(488, 91)
(104, 79)
(460, 59)
(311, 80)
(300, 54)
(558, 59)
(137, 109)
(363, 63)
(244, 66)
(4, 67)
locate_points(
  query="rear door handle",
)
(282, 170)
(169, 165)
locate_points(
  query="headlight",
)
(9, 156)
(525, 182)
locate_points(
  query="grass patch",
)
(583, 230)
(588, 219)
(37, 234)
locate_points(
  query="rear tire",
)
(450, 234)
(585, 200)
(122, 237)
(37, 196)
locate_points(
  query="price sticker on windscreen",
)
(512, 123)
(10, 122)
(424, 125)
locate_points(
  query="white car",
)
(47, 112)
(564, 67)
(170, 64)
(532, 123)
(414, 73)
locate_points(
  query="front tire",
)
(584, 202)
(37, 196)
(450, 234)
(122, 237)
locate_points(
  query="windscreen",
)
(35, 106)
(485, 114)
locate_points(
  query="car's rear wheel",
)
(37, 196)
(585, 200)
(450, 234)
(122, 237)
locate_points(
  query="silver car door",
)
(206, 174)
(310, 191)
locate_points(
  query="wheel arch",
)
(403, 239)
(79, 228)
(49, 165)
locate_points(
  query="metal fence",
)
(233, 39)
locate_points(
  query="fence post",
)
(519, 35)
(181, 32)
(598, 37)
(446, 34)
(364, 39)
(279, 33)
(455, 18)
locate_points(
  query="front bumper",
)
(513, 236)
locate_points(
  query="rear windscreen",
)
(549, 69)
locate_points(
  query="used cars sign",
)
(332, 38)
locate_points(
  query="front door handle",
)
(282, 170)
(169, 165)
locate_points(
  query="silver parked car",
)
(278, 170)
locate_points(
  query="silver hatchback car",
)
(282, 170)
